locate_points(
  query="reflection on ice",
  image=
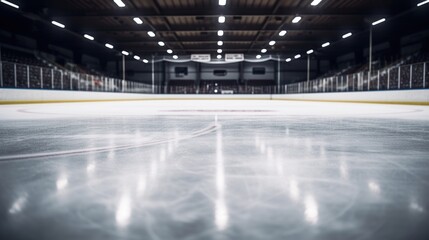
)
(293, 189)
(416, 207)
(311, 210)
(141, 185)
(123, 211)
(373, 187)
(90, 168)
(62, 182)
(18, 204)
(221, 210)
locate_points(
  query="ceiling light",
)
(136, 57)
(145, 61)
(60, 25)
(89, 37)
(297, 56)
(175, 57)
(222, 2)
(109, 45)
(347, 35)
(219, 43)
(10, 4)
(282, 33)
(310, 51)
(326, 44)
(219, 56)
(315, 2)
(272, 43)
(221, 19)
(219, 51)
(138, 20)
(422, 3)
(125, 53)
(151, 34)
(169, 51)
(288, 59)
(220, 33)
(264, 50)
(296, 19)
(378, 21)
(160, 43)
(258, 56)
(119, 3)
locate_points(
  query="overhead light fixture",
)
(160, 43)
(138, 20)
(220, 33)
(125, 53)
(60, 25)
(264, 50)
(282, 33)
(219, 56)
(219, 43)
(151, 34)
(10, 4)
(296, 19)
(326, 44)
(169, 51)
(221, 19)
(272, 43)
(297, 56)
(378, 21)
(258, 56)
(136, 57)
(145, 61)
(89, 37)
(108, 45)
(422, 3)
(288, 59)
(119, 3)
(175, 57)
(347, 35)
(315, 2)
(219, 51)
(310, 51)
(222, 2)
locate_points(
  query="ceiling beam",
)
(230, 28)
(281, 12)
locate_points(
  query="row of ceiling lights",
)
(221, 19)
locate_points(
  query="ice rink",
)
(214, 170)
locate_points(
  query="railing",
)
(15, 75)
(413, 76)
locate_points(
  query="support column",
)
(52, 78)
(370, 51)
(424, 75)
(411, 76)
(41, 77)
(308, 67)
(1, 74)
(153, 75)
(388, 79)
(399, 77)
(14, 75)
(28, 76)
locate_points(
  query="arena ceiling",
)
(192, 26)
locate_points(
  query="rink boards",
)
(23, 96)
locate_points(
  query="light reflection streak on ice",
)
(221, 210)
(62, 182)
(123, 211)
(311, 210)
(19, 204)
(293, 189)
